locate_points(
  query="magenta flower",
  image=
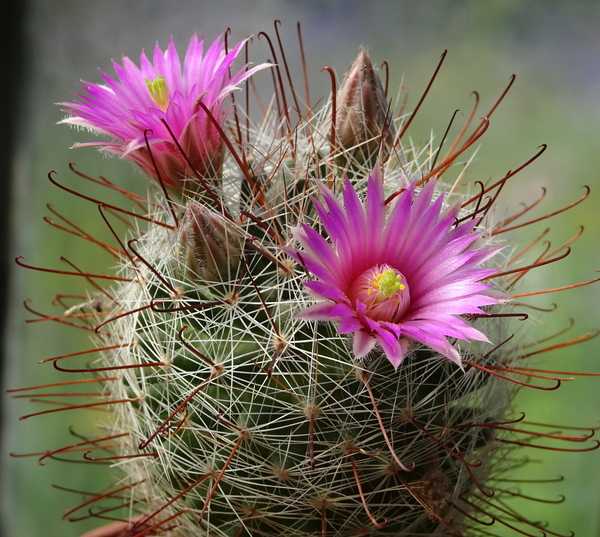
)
(124, 109)
(396, 275)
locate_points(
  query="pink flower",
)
(125, 109)
(394, 274)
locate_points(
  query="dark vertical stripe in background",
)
(12, 45)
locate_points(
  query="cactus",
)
(309, 332)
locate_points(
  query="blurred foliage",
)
(553, 48)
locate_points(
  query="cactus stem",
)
(253, 411)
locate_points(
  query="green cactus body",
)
(239, 417)
(273, 415)
(268, 419)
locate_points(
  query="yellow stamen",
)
(159, 92)
(388, 283)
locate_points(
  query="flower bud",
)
(362, 112)
(210, 245)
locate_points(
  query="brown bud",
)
(210, 244)
(362, 111)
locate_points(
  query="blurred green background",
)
(552, 46)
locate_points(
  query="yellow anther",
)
(388, 283)
(159, 92)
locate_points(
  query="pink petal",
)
(321, 311)
(363, 344)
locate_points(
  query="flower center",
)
(384, 291)
(159, 92)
